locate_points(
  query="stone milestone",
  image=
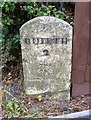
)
(46, 44)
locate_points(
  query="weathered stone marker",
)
(46, 44)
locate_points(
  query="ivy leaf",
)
(16, 106)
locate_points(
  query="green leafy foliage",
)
(13, 108)
(9, 6)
